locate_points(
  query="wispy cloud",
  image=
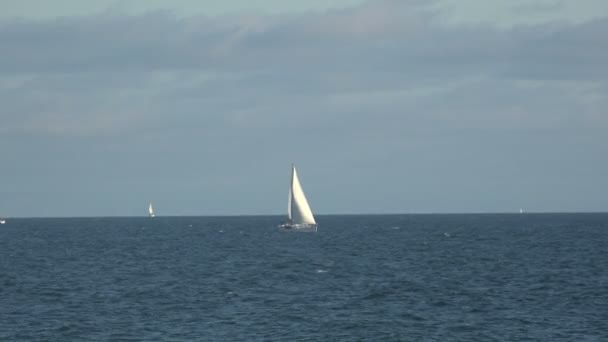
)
(113, 61)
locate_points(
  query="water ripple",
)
(376, 278)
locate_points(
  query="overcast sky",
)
(384, 106)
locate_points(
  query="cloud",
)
(563, 52)
(369, 36)
(233, 66)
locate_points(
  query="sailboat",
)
(2, 221)
(521, 211)
(299, 214)
(151, 210)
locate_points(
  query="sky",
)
(410, 106)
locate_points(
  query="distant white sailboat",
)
(521, 211)
(299, 214)
(151, 210)
(2, 221)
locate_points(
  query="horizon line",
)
(317, 215)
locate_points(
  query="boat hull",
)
(298, 227)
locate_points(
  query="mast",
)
(290, 199)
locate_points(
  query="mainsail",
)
(299, 211)
(151, 210)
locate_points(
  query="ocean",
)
(461, 277)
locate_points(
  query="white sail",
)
(151, 210)
(299, 210)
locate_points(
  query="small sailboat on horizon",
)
(151, 210)
(299, 214)
(2, 221)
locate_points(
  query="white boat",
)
(521, 211)
(299, 214)
(151, 210)
(2, 221)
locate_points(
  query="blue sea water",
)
(531, 277)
